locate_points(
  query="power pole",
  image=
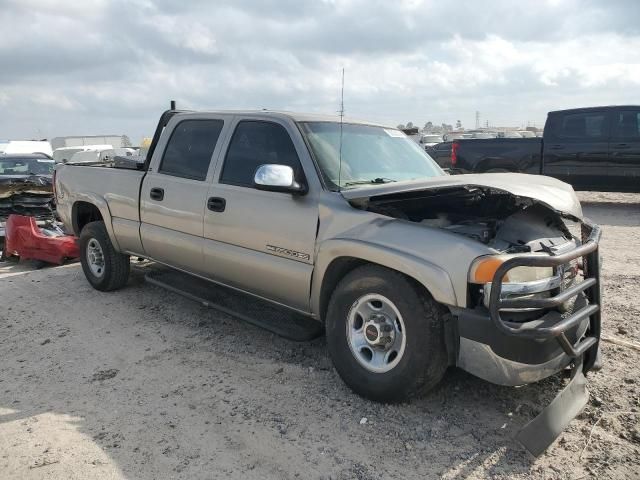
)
(477, 119)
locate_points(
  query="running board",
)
(281, 321)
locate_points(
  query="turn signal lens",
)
(484, 268)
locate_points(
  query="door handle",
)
(216, 204)
(621, 146)
(556, 147)
(157, 194)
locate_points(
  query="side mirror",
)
(277, 178)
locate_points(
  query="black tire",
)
(498, 170)
(424, 360)
(116, 265)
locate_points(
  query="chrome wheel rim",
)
(376, 333)
(95, 257)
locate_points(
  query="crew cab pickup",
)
(594, 148)
(411, 270)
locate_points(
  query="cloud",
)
(111, 66)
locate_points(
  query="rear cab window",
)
(190, 148)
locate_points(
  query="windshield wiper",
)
(377, 180)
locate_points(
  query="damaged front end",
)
(26, 195)
(533, 300)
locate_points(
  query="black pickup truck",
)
(596, 148)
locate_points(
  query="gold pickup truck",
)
(411, 270)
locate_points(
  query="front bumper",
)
(510, 353)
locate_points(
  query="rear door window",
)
(588, 125)
(256, 143)
(626, 124)
(190, 149)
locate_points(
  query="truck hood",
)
(553, 193)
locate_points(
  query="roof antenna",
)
(172, 105)
(341, 121)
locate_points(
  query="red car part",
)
(25, 239)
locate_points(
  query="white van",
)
(28, 146)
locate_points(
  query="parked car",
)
(482, 135)
(595, 148)
(454, 136)
(509, 134)
(429, 140)
(526, 134)
(411, 270)
(25, 185)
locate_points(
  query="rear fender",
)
(102, 205)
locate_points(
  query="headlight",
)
(484, 268)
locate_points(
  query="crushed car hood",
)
(34, 184)
(557, 195)
(30, 195)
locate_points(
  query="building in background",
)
(117, 141)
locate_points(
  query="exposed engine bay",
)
(499, 219)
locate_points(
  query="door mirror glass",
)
(277, 178)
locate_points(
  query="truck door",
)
(576, 148)
(624, 150)
(174, 192)
(258, 241)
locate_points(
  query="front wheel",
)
(105, 268)
(385, 335)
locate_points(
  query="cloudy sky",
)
(110, 66)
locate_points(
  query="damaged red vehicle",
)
(27, 211)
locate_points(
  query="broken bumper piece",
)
(537, 435)
(48, 243)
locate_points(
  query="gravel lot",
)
(141, 383)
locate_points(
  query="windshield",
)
(26, 166)
(370, 154)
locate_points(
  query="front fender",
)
(433, 278)
(101, 204)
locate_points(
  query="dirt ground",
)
(141, 383)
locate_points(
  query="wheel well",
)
(343, 265)
(337, 270)
(83, 213)
(334, 273)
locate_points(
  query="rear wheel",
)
(385, 335)
(105, 268)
